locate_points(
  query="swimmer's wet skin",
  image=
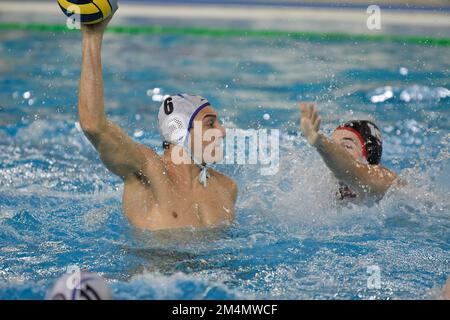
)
(158, 193)
(353, 154)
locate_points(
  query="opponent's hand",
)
(310, 122)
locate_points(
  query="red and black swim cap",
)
(369, 135)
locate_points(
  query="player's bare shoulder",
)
(153, 163)
(226, 182)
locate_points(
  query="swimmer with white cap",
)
(175, 190)
(353, 154)
(81, 285)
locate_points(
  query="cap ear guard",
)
(374, 151)
(374, 144)
(174, 129)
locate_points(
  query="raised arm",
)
(366, 179)
(120, 154)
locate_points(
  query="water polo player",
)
(176, 189)
(353, 154)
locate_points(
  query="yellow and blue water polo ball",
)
(88, 11)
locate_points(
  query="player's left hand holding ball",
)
(93, 15)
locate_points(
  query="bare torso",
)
(179, 204)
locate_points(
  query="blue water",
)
(59, 206)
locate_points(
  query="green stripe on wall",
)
(214, 32)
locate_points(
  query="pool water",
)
(292, 240)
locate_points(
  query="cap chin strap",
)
(204, 174)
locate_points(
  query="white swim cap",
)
(176, 115)
(79, 286)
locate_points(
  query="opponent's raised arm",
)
(366, 179)
(120, 154)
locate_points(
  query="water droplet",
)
(78, 126)
(138, 133)
(403, 71)
(26, 95)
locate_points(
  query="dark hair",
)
(371, 135)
